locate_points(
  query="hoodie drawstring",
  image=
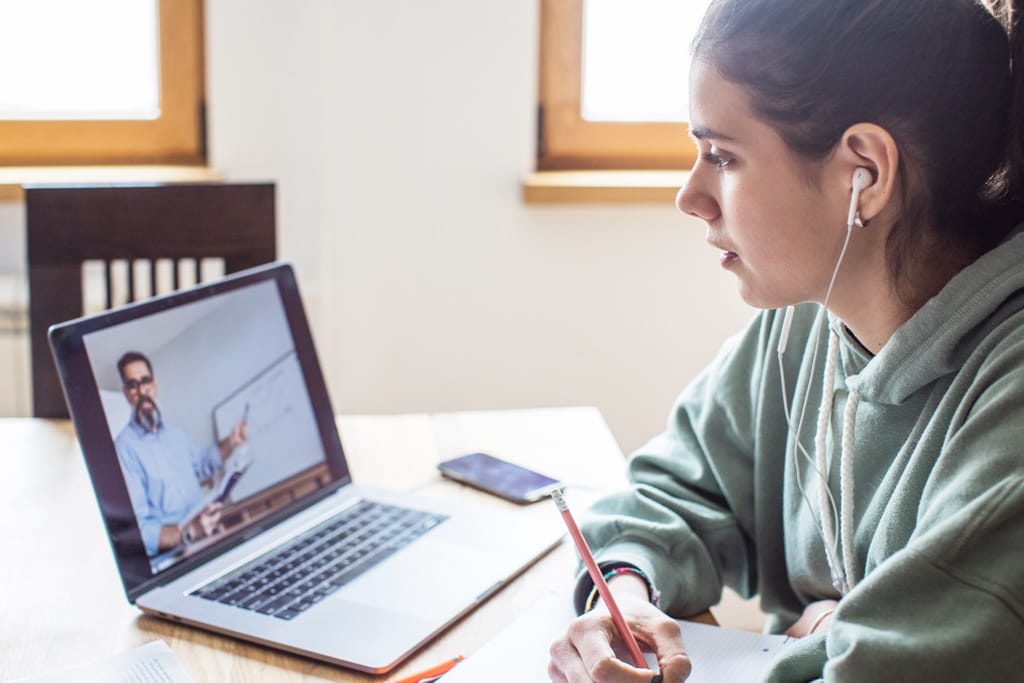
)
(843, 570)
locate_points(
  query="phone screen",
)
(497, 476)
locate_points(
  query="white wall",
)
(398, 132)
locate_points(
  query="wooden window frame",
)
(176, 137)
(565, 140)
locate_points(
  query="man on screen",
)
(163, 466)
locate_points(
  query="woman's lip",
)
(727, 256)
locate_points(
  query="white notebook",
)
(519, 654)
(153, 662)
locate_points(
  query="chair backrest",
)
(126, 230)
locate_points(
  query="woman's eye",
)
(718, 161)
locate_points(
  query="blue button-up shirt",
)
(162, 470)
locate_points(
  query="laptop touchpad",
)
(417, 580)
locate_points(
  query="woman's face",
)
(778, 232)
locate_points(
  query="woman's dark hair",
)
(935, 73)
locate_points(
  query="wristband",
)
(652, 593)
(820, 618)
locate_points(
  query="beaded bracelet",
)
(652, 593)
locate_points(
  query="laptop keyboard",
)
(289, 580)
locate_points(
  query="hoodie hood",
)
(952, 323)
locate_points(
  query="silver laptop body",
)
(236, 350)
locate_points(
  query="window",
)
(613, 84)
(101, 82)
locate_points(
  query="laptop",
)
(219, 471)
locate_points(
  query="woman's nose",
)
(693, 201)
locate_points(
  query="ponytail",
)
(1009, 191)
(1015, 152)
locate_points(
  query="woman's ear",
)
(872, 147)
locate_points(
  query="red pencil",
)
(598, 579)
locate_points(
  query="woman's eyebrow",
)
(702, 133)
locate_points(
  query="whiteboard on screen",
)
(283, 437)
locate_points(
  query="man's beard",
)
(147, 414)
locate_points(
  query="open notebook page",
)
(519, 654)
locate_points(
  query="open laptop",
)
(221, 479)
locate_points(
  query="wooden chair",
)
(123, 231)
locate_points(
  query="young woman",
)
(856, 456)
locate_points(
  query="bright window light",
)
(636, 58)
(77, 60)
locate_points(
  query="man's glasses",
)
(134, 384)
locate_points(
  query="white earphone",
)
(861, 179)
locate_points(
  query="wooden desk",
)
(61, 600)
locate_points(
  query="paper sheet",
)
(519, 654)
(153, 662)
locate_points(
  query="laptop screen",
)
(203, 416)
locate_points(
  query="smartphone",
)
(487, 473)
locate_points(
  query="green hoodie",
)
(923, 449)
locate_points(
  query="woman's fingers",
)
(586, 652)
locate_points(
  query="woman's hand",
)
(816, 617)
(584, 653)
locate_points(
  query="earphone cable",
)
(829, 540)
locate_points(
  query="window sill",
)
(14, 178)
(602, 187)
